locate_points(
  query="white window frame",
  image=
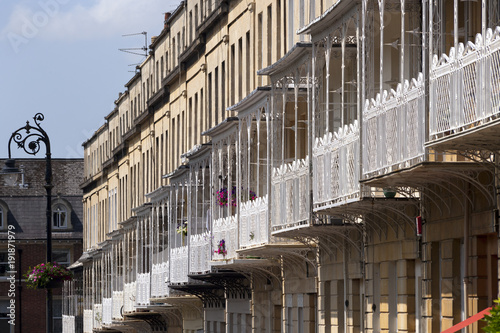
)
(4, 210)
(68, 256)
(66, 207)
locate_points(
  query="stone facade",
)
(298, 166)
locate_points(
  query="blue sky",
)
(61, 58)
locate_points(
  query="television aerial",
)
(140, 51)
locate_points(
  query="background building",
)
(298, 166)
(23, 208)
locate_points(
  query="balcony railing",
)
(394, 129)
(143, 289)
(97, 315)
(290, 195)
(159, 278)
(336, 167)
(254, 222)
(225, 229)
(179, 270)
(107, 311)
(129, 297)
(68, 323)
(117, 304)
(88, 321)
(465, 86)
(200, 253)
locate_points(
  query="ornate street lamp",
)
(29, 138)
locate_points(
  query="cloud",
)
(65, 20)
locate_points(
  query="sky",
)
(61, 58)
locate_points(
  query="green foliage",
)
(493, 319)
(41, 275)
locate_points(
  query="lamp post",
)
(29, 138)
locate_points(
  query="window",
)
(4, 262)
(190, 26)
(2, 217)
(270, 34)
(62, 257)
(216, 93)
(59, 216)
(173, 52)
(4, 318)
(195, 16)
(57, 314)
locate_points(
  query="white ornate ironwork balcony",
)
(336, 167)
(107, 311)
(143, 289)
(88, 321)
(97, 315)
(159, 276)
(254, 222)
(117, 304)
(179, 259)
(200, 253)
(290, 195)
(225, 229)
(129, 297)
(68, 323)
(465, 86)
(394, 129)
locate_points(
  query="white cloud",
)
(64, 20)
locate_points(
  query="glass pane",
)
(57, 325)
(62, 220)
(61, 258)
(4, 266)
(57, 308)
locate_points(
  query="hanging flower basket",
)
(221, 248)
(223, 197)
(47, 275)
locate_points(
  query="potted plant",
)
(182, 230)
(47, 275)
(493, 319)
(223, 196)
(221, 248)
(389, 192)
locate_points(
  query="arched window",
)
(4, 209)
(60, 216)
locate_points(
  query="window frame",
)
(4, 212)
(66, 207)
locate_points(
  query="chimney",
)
(167, 15)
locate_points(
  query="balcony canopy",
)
(323, 23)
(289, 60)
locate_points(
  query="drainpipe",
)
(346, 286)
(466, 251)
(20, 288)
